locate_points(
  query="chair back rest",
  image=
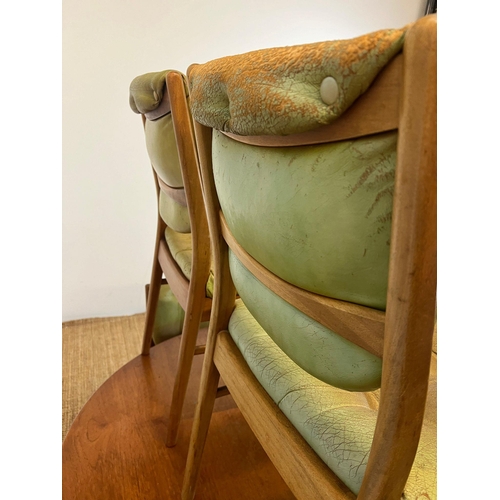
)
(320, 177)
(316, 216)
(149, 96)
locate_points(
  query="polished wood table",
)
(116, 449)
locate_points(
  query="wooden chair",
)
(182, 249)
(302, 353)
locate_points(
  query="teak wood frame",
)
(406, 341)
(191, 293)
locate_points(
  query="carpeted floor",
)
(93, 349)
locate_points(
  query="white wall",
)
(109, 211)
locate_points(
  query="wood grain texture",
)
(200, 260)
(156, 275)
(116, 450)
(361, 325)
(375, 111)
(223, 303)
(190, 293)
(178, 283)
(411, 297)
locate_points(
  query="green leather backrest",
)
(162, 150)
(147, 96)
(319, 217)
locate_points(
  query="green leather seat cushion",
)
(319, 216)
(339, 425)
(318, 350)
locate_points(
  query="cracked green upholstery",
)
(337, 424)
(321, 352)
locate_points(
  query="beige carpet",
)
(93, 349)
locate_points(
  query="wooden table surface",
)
(116, 449)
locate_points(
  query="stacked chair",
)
(318, 166)
(178, 303)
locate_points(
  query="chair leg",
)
(204, 408)
(152, 303)
(189, 337)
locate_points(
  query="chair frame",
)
(191, 293)
(402, 335)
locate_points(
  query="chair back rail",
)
(156, 272)
(412, 273)
(222, 307)
(186, 144)
(190, 292)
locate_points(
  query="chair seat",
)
(339, 425)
